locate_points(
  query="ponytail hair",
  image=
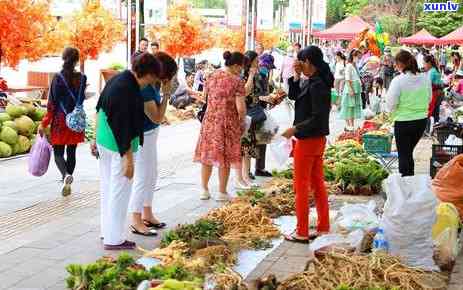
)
(70, 59)
(408, 60)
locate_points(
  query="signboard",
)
(234, 11)
(318, 15)
(264, 14)
(155, 12)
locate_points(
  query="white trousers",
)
(146, 173)
(115, 196)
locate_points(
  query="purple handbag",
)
(39, 157)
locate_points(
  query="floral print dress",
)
(219, 141)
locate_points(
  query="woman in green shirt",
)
(408, 99)
(119, 133)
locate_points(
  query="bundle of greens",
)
(121, 273)
(199, 235)
(354, 171)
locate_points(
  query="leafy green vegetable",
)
(287, 173)
(201, 230)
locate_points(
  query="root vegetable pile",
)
(362, 272)
(243, 223)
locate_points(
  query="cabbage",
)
(25, 125)
(10, 124)
(8, 135)
(15, 111)
(5, 150)
(5, 117)
(24, 144)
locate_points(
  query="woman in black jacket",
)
(311, 126)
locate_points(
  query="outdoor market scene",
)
(231, 144)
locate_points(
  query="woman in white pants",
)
(119, 133)
(146, 160)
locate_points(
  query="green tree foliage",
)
(440, 23)
(354, 7)
(395, 25)
(335, 12)
(208, 4)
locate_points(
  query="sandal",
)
(127, 245)
(292, 238)
(158, 226)
(149, 233)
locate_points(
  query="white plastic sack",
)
(281, 148)
(409, 214)
(358, 216)
(269, 129)
(353, 239)
(375, 104)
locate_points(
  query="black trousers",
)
(65, 166)
(260, 160)
(407, 134)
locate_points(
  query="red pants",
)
(309, 178)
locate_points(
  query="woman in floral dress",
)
(222, 127)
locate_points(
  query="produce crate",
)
(377, 144)
(446, 152)
(441, 154)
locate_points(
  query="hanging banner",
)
(155, 12)
(234, 11)
(318, 15)
(264, 14)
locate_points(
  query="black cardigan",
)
(313, 105)
(122, 102)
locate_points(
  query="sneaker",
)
(66, 188)
(222, 197)
(205, 195)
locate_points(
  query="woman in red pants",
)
(311, 126)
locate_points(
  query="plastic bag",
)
(447, 183)
(409, 215)
(446, 249)
(375, 104)
(368, 113)
(267, 131)
(358, 216)
(281, 148)
(39, 157)
(247, 124)
(453, 141)
(353, 240)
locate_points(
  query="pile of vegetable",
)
(383, 119)
(244, 225)
(18, 126)
(196, 236)
(352, 169)
(121, 273)
(338, 270)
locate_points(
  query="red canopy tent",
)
(421, 37)
(347, 29)
(455, 37)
